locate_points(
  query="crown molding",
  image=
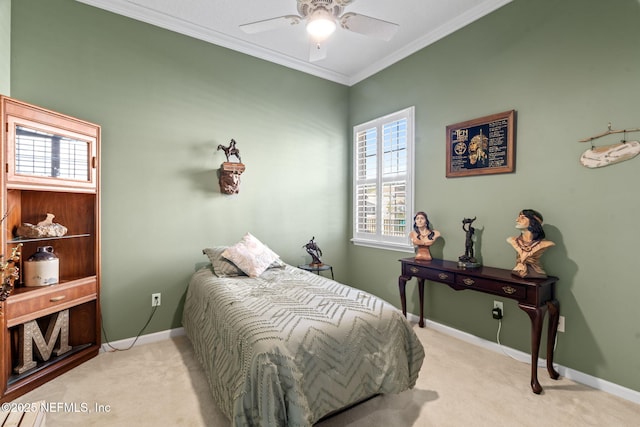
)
(448, 28)
(162, 20)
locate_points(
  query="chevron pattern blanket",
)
(289, 347)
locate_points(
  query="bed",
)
(287, 347)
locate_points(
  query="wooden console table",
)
(534, 296)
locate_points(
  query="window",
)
(383, 181)
(50, 155)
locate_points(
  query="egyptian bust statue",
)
(529, 245)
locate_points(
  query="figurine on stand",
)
(231, 150)
(229, 172)
(423, 236)
(529, 245)
(468, 260)
(314, 250)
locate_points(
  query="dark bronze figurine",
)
(231, 150)
(315, 252)
(468, 259)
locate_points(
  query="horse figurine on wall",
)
(231, 150)
(229, 173)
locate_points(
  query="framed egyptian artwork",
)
(482, 146)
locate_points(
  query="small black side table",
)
(317, 268)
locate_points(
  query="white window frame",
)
(378, 239)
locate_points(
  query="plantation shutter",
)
(383, 180)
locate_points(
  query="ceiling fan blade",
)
(270, 24)
(317, 51)
(368, 26)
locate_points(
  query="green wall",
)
(165, 101)
(568, 68)
(5, 46)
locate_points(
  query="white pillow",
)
(250, 255)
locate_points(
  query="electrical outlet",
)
(155, 299)
(498, 304)
(498, 311)
(561, 324)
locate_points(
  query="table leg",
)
(536, 314)
(402, 283)
(421, 294)
(554, 318)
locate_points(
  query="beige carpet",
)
(161, 384)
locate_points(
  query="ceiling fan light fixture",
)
(321, 24)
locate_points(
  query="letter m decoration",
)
(30, 333)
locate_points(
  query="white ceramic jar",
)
(42, 268)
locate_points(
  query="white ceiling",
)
(351, 57)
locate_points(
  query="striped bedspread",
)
(289, 347)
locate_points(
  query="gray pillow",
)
(222, 266)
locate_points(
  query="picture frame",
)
(482, 146)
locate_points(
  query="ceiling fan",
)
(322, 18)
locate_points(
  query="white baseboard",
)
(143, 339)
(577, 376)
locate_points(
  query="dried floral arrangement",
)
(9, 271)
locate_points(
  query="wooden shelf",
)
(42, 239)
(54, 359)
(34, 184)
